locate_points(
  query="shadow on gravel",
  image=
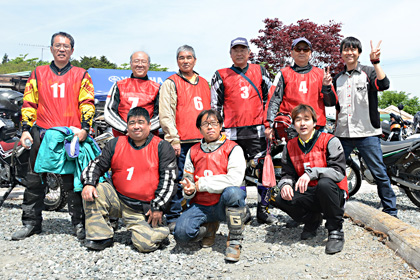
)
(9, 205)
(57, 226)
(190, 248)
(279, 234)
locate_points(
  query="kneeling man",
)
(314, 179)
(213, 172)
(143, 181)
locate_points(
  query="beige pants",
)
(98, 227)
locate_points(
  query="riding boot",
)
(263, 216)
(75, 207)
(234, 218)
(33, 200)
(32, 206)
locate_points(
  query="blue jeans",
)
(188, 225)
(371, 152)
(175, 207)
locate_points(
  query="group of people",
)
(193, 177)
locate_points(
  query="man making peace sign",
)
(358, 124)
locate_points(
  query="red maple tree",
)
(276, 40)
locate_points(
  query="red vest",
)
(317, 157)
(242, 104)
(135, 173)
(137, 92)
(303, 89)
(208, 164)
(58, 99)
(191, 100)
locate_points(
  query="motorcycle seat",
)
(388, 147)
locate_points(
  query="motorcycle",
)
(14, 159)
(402, 163)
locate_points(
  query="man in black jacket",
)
(143, 178)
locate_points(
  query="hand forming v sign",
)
(327, 80)
(375, 52)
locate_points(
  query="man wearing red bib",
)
(143, 181)
(181, 98)
(58, 94)
(300, 84)
(239, 94)
(313, 179)
(136, 91)
(213, 172)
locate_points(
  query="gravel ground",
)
(269, 252)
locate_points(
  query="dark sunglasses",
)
(304, 50)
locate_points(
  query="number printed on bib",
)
(135, 101)
(130, 173)
(302, 87)
(208, 173)
(198, 103)
(245, 92)
(57, 87)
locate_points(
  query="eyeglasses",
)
(139, 62)
(64, 46)
(300, 49)
(206, 124)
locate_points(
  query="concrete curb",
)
(398, 235)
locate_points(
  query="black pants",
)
(33, 197)
(325, 197)
(252, 146)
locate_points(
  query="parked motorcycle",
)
(402, 164)
(14, 159)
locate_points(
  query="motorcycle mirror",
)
(400, 106)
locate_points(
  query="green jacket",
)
(53, 158)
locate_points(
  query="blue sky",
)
(117, 28)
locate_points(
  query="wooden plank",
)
(397, 235)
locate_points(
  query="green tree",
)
(86, 62)
(153, 67)
(20, 63)
(392, 97)
(5, 59)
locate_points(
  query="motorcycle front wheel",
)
(414, 195)
(56, 196)
(354, 178)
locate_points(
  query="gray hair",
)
(185, 48)
(64, 34)
(148, 56)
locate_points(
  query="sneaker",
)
(79, 231)
(99, 245)
(309, 230)
(263, 216)
(26, 231)
(335, 242)
(210, 237)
